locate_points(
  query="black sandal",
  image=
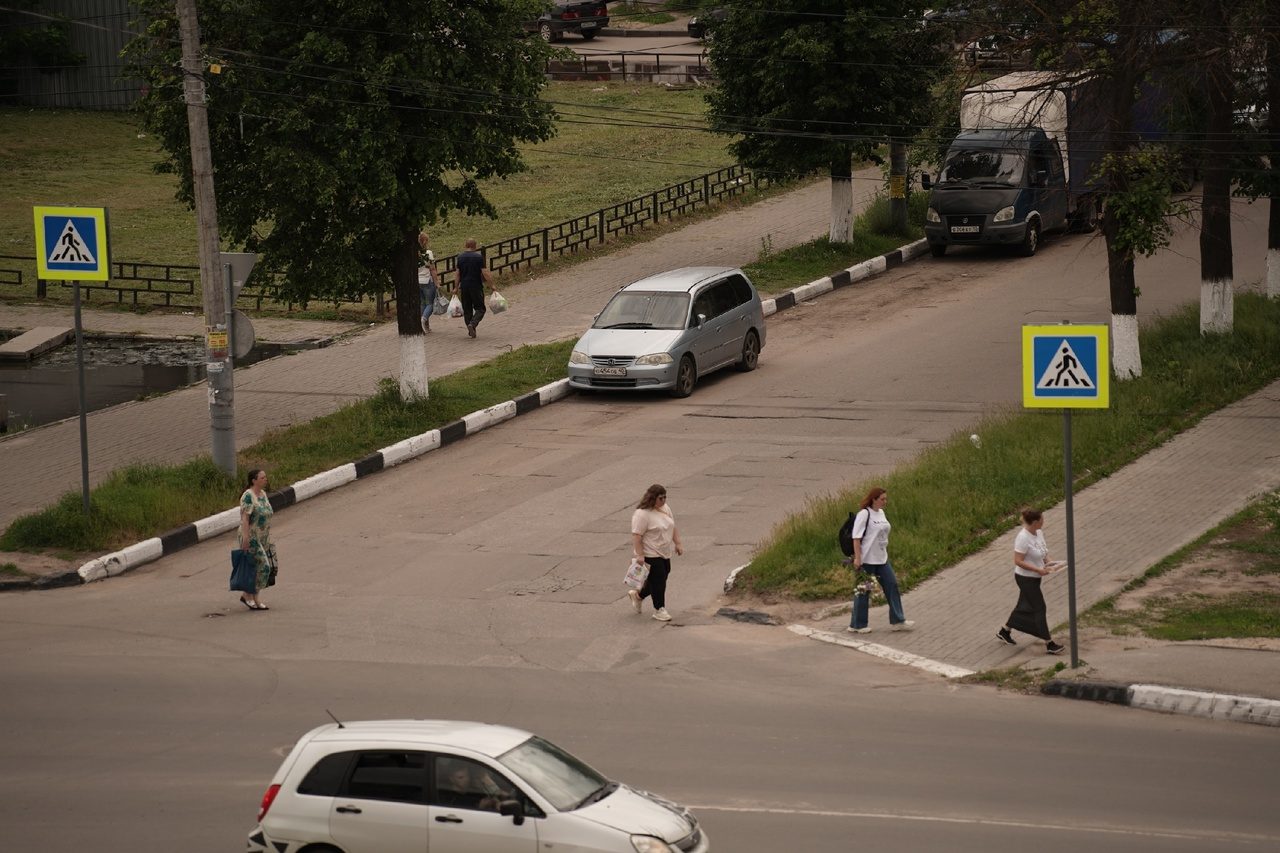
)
(247, 603)
(261, 606)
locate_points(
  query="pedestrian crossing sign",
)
(71, 243)
(1065, 367)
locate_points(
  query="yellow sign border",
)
(1100, 331)
(99, 217)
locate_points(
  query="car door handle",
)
(348, 810)
(448, 818)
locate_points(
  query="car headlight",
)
(578, 357)
(655, 358)
(649, 844)
(931, 215)
(1004, 214)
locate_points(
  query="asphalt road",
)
(482, 582)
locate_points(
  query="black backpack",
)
(845, 536)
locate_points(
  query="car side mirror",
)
(512, 809)
(700, 319)
(925, 180)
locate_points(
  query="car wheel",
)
(686, 378)
(1030, 240)
(750, 352)
(937, 249)
(589, 35)
(544, 30)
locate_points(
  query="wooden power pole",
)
(212, 285)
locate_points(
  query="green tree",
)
(810, 85)
(339, 130)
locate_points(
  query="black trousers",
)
(473, 309)
(656, 583)
(1029, 616)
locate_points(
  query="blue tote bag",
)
(244, 571)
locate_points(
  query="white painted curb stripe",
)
(813, 289)
(896, 656)
(1215, 706)
(485, 418)
(410, 448)
(553, 391)
(216, 525)
(324, 481)
(119, 562)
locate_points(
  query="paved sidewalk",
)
(297, 388)
(1123, 525)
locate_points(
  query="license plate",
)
(964, 229)
(610, 371)
(588, 25)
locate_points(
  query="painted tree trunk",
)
(413, 349)
(1273, 247)
(1126, 353)
(1271, 24)
(1216, 308)
(898, 185)
(842, 199)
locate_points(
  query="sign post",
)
(72, 245)
(1068, 367)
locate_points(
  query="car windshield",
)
(555, 774)
(644, 309)
(984, 165)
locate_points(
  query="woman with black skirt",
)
(1030, 563)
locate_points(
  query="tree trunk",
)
(1126, 353)
(842, 198)
(898, 186)
(413, 349)
(1216, 308)
(1271, 19)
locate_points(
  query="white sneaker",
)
(662, 615)
(634, 595)
(858, 630)
(903, 626)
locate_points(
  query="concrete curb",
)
(150, 550)
(890, 654)
(1172, 700)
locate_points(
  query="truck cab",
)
(998, 186)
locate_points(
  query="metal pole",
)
(1071, 536)
(84, 423)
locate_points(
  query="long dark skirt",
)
(1029, 616)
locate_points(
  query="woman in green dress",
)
(255, 535)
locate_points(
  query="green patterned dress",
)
(264, 552)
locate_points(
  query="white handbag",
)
(637, 574)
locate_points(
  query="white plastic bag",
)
(637, 574)
(497, 302)
(455, 306)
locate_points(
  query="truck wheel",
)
(937, 249)
(1086, 219)
(1030, 240)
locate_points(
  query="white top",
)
(657, 529)
(1033, 549)
(875, 540)
(424, 273)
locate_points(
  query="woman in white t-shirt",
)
(1030, 563)
(871, 555)
(428, 279)
(655, 540)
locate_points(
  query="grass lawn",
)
(615, 141)
(956, 498)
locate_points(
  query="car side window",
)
(325, 778)
(702, 305)
(389, 775)
(741, 290)
(465, 784)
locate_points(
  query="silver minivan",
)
(664, 331)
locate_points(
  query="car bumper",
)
(1006, 233)
(658, 377)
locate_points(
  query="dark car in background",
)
(585, 19)
(700, 25)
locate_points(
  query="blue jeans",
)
(889, 583)
(428, 292)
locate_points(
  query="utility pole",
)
(217, 351)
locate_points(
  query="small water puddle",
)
(116, 370)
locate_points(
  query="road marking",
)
(1179, 834)
(897, 656)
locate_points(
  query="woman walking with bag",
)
(1030, 563)
(655, 540)
(255, 536)
(871, 555)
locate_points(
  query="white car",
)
(413, 786)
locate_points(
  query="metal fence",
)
(174, 285)
(633, 66)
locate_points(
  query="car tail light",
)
(267, 799)
(601, 11)
(568, 15)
